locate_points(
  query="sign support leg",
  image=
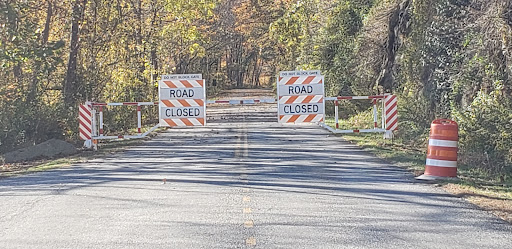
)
(336, 116)
(94, 130)
(375, 118)
(101, 121)
(139, 120)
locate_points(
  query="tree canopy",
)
(443, 58)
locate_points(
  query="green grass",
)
(53, 164)
(393, 152)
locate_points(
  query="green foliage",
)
(450, 62)
(486, 133)
(337, 49)
(444, 59)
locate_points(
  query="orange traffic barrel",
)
(442, 150)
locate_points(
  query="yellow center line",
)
(251, 241)
(249, 224)
(242, 152)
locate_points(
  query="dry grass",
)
(498, 203)
(477, 188)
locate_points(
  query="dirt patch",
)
(49, 149)
(500, 205)
(107, 148)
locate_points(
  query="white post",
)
(101, 121)
(94, 132)
(375, 118)
(336, 114)
(383, 113)
(139, 119)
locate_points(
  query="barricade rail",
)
(242, 101)
(91, 127)
(91, 122)
(387, 116)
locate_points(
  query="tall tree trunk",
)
(70, 83)
(397, 21)
(140, 50)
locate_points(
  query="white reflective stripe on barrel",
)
(442, 143)
(441, 163)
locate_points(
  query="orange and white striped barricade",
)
(373, 98)
(85, 124)
(442, 150)
(300, 97)
(138, 105)
(390, 115)
(182, 100)
(91, 122)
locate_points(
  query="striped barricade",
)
(182, 101)
(391, 107)
(306, 99)
(301, 97)
(311, 118)
(101, 107)
(91, 118)
(85, 121)
(388, 101)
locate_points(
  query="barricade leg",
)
(94, 130)
(139, 120)
(101, 121)
(375, 114)
(336, 116)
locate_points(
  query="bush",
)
(486, 133)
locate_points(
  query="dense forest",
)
(443, 58)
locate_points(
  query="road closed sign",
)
(301, 97)
(182, 100)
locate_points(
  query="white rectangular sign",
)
(300, 73)
(301, 97)
(182, 100)
(182, 77)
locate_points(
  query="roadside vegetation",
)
(442, 58)
(491, 192)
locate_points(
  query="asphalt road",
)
(242, 182)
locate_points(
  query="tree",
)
(71, 81)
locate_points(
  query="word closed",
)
(294, 109)
(182, 112)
